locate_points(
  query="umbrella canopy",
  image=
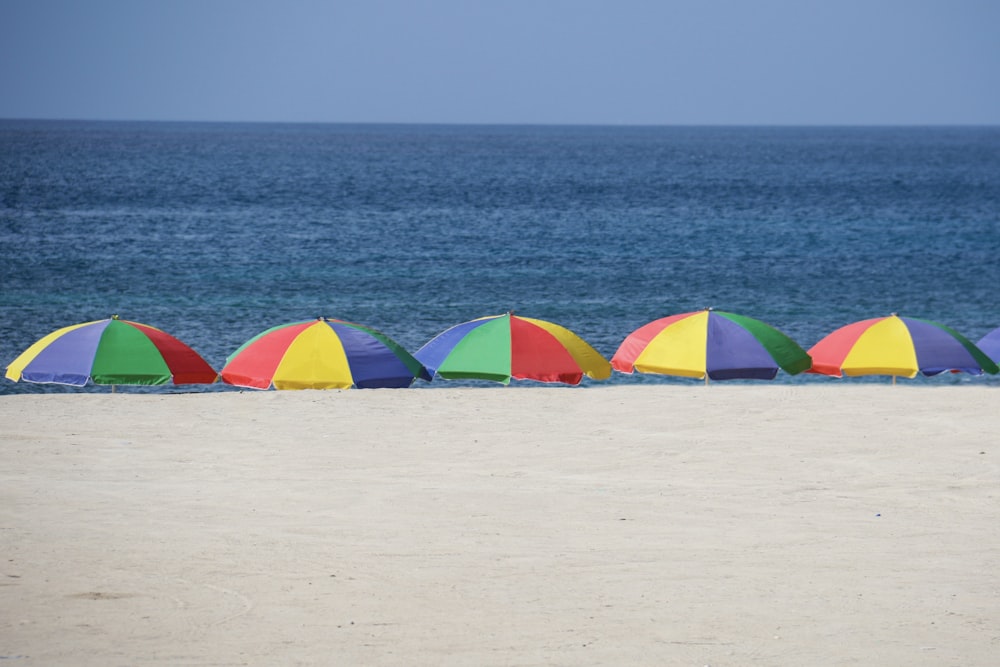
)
(710, 344)
(112, 351)
(322, 354)
(990, 345)
(501, 347)
(897, 346)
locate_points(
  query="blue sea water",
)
(215, 232)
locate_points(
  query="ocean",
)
(215, 232)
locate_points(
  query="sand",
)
(633, 525)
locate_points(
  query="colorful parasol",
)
(112, 351)
(710, 344)
(322, 354)
(501, 347)
(897, 346)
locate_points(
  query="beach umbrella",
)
(501, 347)
(990, 345)
(710, 344)
(897, 346)
(321, 354)
(112, 351)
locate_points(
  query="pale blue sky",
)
(516, 61)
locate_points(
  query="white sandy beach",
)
(645, 525)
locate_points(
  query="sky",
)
(614, 62)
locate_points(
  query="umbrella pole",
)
(112, 389)
(893, 380)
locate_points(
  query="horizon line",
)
(499, 124)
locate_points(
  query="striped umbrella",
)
(112, 351)
(710, 344)
(321, 354)
(501, 347)
(897, 346)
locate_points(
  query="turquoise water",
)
(214, 232)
